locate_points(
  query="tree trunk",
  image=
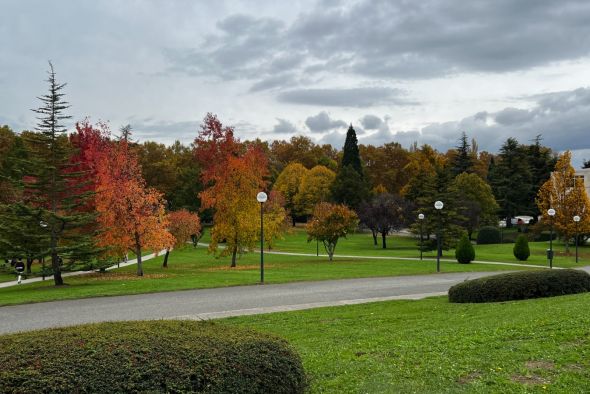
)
(55, 260)
(233, 257)
(293, 219)
(165, 264)
(383, 240)
(138, 255)
(374, 233)
(29, 264)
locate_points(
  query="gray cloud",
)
(371, 122)
(322, 122)
(284, 127)
(355, 97)
(394, 39)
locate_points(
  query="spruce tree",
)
(462, 161)
(53, 189)
(511, 180)
(350, 186)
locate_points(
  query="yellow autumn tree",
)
(567, 195)
(314, 188)
(233, 196)
(288, 184)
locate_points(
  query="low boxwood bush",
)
(149, 356)
(521, 286)
(464, 253)
(488, 235)
(521, 248)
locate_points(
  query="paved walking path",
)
(227, 301)
(76, 273)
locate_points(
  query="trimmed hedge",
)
(464, 253)
(149, 356)
(521, 286)
(521, 248)
(488, 235)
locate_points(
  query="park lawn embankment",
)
(194, 268)
(432, 346)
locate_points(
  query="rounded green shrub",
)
(149, 356)
(521, 248)
(488, 235)
(464, 253)
(520, 286)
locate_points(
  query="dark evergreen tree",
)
(350, 186)
(541, 162)
(350, 152)
(462, 160)
(511, 181)
(54, 192)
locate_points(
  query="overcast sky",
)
(400, 71)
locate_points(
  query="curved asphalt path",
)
(228, 301)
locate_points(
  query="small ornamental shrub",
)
(521, 286)
(521, 248)
(149, 356)
(464, 253)
(488, 235)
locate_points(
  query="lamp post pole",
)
(577, 220)
(421, 218)
(551, 213)
(438, 206)
(261, 197)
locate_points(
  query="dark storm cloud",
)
(394, 40)
(355, 97)
(284, 127)
(322, 122)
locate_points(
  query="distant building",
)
(584, 177)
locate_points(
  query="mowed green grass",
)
(432, 346)
(195, 268)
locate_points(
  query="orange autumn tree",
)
(131, 216)
(567, 195)
(329, 223)
(183, 226)
(234, 174)
(233, 196)
(276, 220)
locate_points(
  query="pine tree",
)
(463, 160)
(541, 162)
(511, 180)
(53, 191)
(350, 186)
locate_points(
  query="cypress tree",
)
(54, 190)
(350, 186)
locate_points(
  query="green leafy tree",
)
(521, 248)
(329, 223)
(475, 200)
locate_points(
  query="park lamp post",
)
(43, 225)
(438, 206)
(551, 213)
(577, 220)
(421, 218)
(261, 198)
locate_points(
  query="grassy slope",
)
(432, 346)
(191, 269)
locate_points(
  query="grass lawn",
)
(194, 268)
(432, 346)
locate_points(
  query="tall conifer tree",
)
(350, 186)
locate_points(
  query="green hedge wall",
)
(149, 356)
(520, 286)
